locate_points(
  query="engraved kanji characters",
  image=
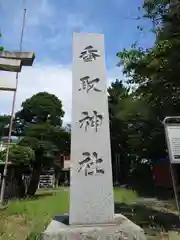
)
(90, 164)
(89, 54)
(87, 84)
(93, 121)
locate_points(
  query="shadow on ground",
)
(149, 218)
(40, 195)
(152, 191)
(153, 222)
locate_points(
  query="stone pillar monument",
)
(91, 189)
(91, 213)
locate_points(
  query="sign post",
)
(172, 133)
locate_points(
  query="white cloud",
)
(61, 33)
(56, 79)
(48, 26)
(39, 13)
(48, 31)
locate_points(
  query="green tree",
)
(39, 121)
(118, 128)
(59, 137)
(128, 124)
(4, 125)
(48, 142)
(45, 154)
(128, 114)
(1, 48)
(40, 108)
(20, 155)
(130, 119)
(117, 93)
(155, 70)
(152, 75)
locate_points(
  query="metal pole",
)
(11, 120)
(117, 169)
(175, 189)
(170, 164)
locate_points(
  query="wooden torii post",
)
(12, 62)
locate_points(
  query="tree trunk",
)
(21, 187)
(34, 181)
(20, 192)
(57, 176)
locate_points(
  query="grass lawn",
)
(26, 218)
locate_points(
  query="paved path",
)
(174, 235)
(166, 207)
(162, 205)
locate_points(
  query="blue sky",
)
(48, 32)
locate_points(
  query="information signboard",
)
(173, 140)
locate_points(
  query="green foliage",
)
(155, 74)
(1, 48)
(47, 132)
(4, 123)
(155, 9)
(35, 214)
(33, 142)
(39, 125)
(117, 93)
(41, 107)
(47, 141)
(20, 155)
(39, 121)
(34, 236)
(155, 70)
(132, 124)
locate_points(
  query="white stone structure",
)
(91, 189)
(10, 65)
(26, 58)
(13, 62)
(7, 84)
(91, 214)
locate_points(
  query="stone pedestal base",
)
(120, 229)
